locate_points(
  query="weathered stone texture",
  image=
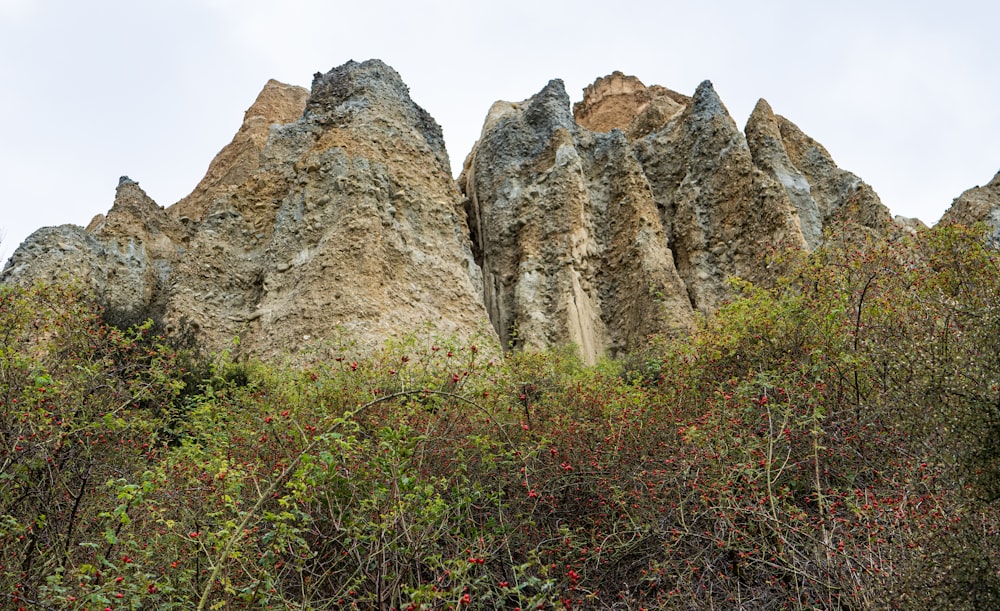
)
(721, 211)
(333, 214)
(978, 205)
(568, 236)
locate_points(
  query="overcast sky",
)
(904, 94)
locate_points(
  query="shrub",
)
(825, 441)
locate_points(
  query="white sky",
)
(905, 94)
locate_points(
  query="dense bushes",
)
(825, 441)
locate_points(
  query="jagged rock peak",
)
(567, 234)
(277, 103)
(840, 196)
(362, 91)
(721, 212)
(620, 101)
(615, 84)
(763, 136)
(128, 194)
(548, 109)
(333, 212)
(113, 258)
(355, 82)
(823, 194)
(329, 218)
(978, 205)
(134, 215)
(706, 103)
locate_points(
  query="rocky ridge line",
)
(332, 215)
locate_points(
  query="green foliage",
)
(825, 441)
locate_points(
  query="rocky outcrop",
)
(767, 147)
(332, 214)
(839, 194)
(367, 234)
(823, 194)
(566, 231)
(124, 259)
(338, 212)
(721, 212)
(235, 164)
(978, 205)
(543, 198)
(619, 101)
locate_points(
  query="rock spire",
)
(332, 217)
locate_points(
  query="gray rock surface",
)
(721, 212)
(125, 259)
(978, 205)
(840, 196)
(567, 234)
(332, 215)
(768, 150)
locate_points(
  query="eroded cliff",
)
(332, 215)
(980, 204)
(566, 231)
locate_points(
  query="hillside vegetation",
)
(827, 440)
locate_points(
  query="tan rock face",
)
(823, 194)
(978, 205)
(327, 217)
(135, 216)
(367, 236)
(332, 214)
(611, 102)
(277, 103)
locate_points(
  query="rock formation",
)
(333, 212)
(721, 212)
(623, 102)
(567, 233)
(366, 234)
(763, 133)
(836, 195)
(123, 258)
(277, 103)
(344, 217)
(544, 193)
(978, 205)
